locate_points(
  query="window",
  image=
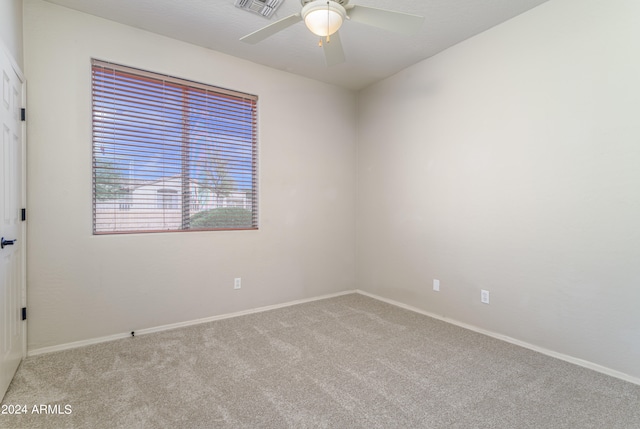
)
(171, 154)
(168, 199)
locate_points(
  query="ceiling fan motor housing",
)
(340, 2)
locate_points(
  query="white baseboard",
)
(98, 340)
(561, 356)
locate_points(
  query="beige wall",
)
(11, 28)
(82, 287)
(511, 162)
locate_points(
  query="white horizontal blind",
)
(170, 154)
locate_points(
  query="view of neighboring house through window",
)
(171, 154)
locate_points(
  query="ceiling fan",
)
(324, 18)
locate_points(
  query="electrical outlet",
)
(484, 296)
(436, 285)
(237, 283)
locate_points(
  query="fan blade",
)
(271, 29)
(398, 22)
(333, 52)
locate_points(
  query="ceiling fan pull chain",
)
(328, 22)
(327, 40)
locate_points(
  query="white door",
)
(11, 230)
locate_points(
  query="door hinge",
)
(23, 114)
(24, 313)
(24, 214)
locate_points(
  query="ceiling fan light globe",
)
(316, 22)
(322, 17)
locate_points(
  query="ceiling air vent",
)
(261, 7)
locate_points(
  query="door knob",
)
(4, 242)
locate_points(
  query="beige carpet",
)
(346, 362)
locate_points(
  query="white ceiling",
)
(371, 53)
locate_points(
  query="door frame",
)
(23, 201)
(23, 189)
